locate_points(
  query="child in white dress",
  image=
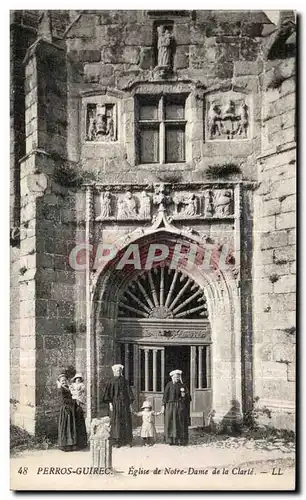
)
(148, 431)
(77, 389)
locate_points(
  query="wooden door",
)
(200, 384)
(151, 380)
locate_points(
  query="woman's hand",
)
(110, 407)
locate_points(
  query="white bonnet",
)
(117, 366)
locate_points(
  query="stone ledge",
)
(279, 149)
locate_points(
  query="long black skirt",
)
(71, 428)
(80, 427)
(121, 423)
(176, 424)
(67, 431)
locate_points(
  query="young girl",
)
(77, 389)
(148, 431)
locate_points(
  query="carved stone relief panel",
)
(165, 332)
(222, 202)
(227, 116)
(145, 202)
(124, 206)
(176, 333)
(101, 122)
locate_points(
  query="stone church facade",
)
(153, 130)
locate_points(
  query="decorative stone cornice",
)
(179, 186)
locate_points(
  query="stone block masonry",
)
(275, 250)
(47, 320)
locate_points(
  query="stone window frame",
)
(194, 131)
(160, 123)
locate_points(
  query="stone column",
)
(100, 443)
(46, 344)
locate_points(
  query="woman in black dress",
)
(119, 397)
(71, 423)
(176, 407)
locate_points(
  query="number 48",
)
(23, 470)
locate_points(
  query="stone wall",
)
(48, 222)
(275, 246)
(114, 50)
(21, 37)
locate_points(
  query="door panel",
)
(200, 375)
(152, 377)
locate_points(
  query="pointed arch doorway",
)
(117, 334)
(163, 325)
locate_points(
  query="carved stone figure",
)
(91, 134)
(145, 206)
(127, 207)
(243, 114)
(214, 121)
(229, 118)
(177, 200)
(106, 209)
(160, 197)
(208, 210)
(164, 45)
(229, 111)
(111, 128)
(100, 428)
(190, 205)
(191, 208)
(222, 202)
(101, 123)
(100, 443)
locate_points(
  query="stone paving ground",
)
(250, 464)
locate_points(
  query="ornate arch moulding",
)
(160, 225)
